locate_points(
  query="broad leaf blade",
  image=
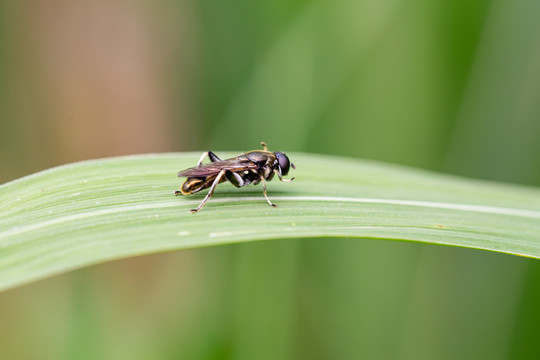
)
(90, 212)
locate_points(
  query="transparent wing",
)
(214, 168)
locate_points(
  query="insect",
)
(250, 168)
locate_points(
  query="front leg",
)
(281, 177)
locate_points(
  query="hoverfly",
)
(250, 168)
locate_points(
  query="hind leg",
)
(213, 157)
(210, 193)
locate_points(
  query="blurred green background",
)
(451, 86)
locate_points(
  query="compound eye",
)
(284, 163)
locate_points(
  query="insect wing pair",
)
(250, 168)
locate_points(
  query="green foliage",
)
(450, 86)
(90, 212)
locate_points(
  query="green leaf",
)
(94, 211)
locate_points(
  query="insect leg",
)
(202, 158)
(264, 192)
(210, 193)
(281, 178)
(265, 148)
(234, 178)
(213, 157)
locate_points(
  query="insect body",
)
(250, 168)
